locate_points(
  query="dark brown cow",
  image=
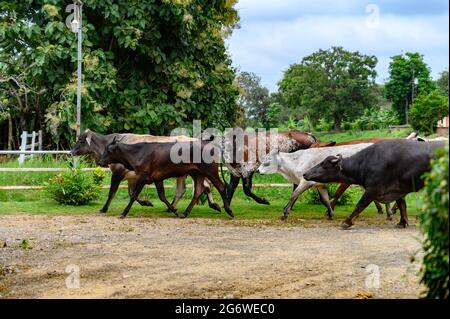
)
(152, 163)
(94, 144)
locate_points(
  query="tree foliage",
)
(434, 225)
(403, 69)
(148, 65)
(255, 100)
(427, 110)
(334, 84)
(442, 83)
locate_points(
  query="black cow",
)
(152, 163)
(387, 170)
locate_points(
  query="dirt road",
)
(173, 258)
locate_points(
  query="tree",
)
(442, 83)
(427, 110)
(255, 100)
(148, 66)
(400, 88)
(332, 84)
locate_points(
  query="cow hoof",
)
(102, 211)
(389, 218)
(346, 225)
(283, 218)
(145, 203)
(330, 217)
(380, 212)
(215, 206)
(402, 225)
(230, 213)
(122, 216)
(176, 213)
(182, 216)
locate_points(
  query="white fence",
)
(24, 146)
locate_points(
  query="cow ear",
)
(88, 137)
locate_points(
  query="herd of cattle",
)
(387, 168)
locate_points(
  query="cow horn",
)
(334, 160)
(88, 137)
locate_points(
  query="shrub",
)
(305, 124)
(98, 174)
(434, 225)
(427, 110)
(73, 188)
(312, 196)
(373, 119)
(324, 126)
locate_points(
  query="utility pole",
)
(77, 24)
(413, 81)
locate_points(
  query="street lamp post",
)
(78, 15)
(76, 27)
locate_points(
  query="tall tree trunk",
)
(10, 133)
(337, 122)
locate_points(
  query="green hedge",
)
(434, 225)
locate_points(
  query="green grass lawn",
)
(37, 202)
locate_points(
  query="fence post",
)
(40, 140)
(33, 142)
(23, 147)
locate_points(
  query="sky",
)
(274, 34)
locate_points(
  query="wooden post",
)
(23, 147)
(33, 142)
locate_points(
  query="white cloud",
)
(267, 47)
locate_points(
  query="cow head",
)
(327, 171)
(110, 154)
(271, 163)
(83, 145)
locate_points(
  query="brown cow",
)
(152, 163)
(94, 144)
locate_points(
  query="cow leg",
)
(247, 185)
(231, 187)
(162, 196)
(142, 202)
(394, 208)
(116, 178)
(379, 207)
(294, 186)
(388, 211)
(323, 195)
(207, 191)
(139, 185)
(304, 185)
(217, 182)
(198, 190)
(181, 189)
(341, 190)
(363, 202)
(401, 203)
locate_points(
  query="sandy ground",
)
(201, 258)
